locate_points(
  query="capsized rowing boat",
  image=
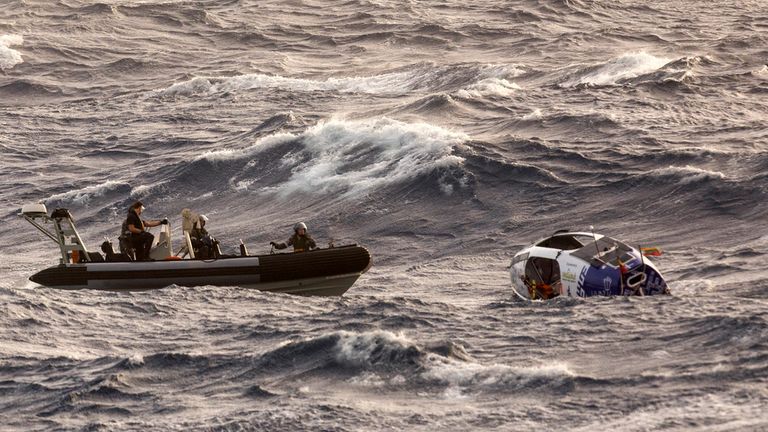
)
(584, 264)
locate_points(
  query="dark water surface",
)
(443, 136)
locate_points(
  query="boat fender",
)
(172, 258)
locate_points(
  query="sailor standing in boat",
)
(300, 240)
(135, 230)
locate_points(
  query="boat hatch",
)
(565, 241)
(605, 250)
(542, 277)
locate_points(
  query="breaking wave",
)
(10, 57)
(379, 358)
(489, 87)
(615, 71)
(85, 195)
(687, 174)
(350, 157)
(478, 79)
(441, 136)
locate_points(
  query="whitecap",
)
(85, 195)
(10, 57)
(393, 83)
(470, 374)
(361, 349)
(355, 157)
(489, 87)
(762, 72)
(533, 115)
(687, 174)
(487, 78)
(626, 66)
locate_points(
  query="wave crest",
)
(472, 78)
(489, 87)
(379, 358)
(687, 174)
(85, 195)
(10, 57)
(624, 67)
(352, 157)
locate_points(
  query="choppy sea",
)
(443, 136)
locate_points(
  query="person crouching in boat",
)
(300, 240)
(206, 247)
(135, 230)
(203, 244)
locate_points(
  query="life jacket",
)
(125, 231)
(545, 290)
(301, 243)
(539, 290)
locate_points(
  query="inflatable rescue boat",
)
(320, 272)
(581, 264)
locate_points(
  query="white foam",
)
(763, 71)
(692, 287)
(627, 66)
(466, 374)
(490, 78)
(534, 115)
(136, 360)
(358, 348)
(86, 194)
(489, 87)
(389, 83)
(719, 411)
(10, 57)
(687, 174)
(143, 190)
(355, 157)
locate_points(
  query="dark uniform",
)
(205, 246)
(300, 243)
(141, 242)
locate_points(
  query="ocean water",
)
(442, 135)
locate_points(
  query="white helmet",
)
(204, 218)
(299, 226)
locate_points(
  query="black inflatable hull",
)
(322, 272)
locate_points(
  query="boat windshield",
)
(606, 250)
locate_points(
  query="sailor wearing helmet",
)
(300, 240)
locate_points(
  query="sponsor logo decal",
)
(580, 284)
(607, 282)
(569, 276)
